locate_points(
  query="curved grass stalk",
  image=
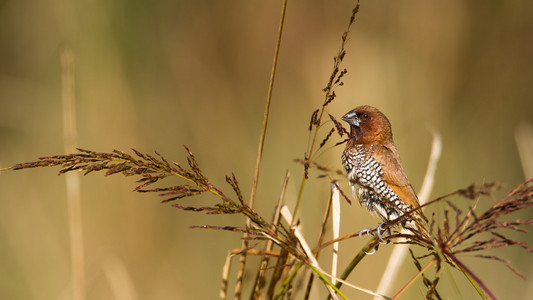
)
(355, 261)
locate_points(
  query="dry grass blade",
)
(336, 220)
(524, 142)
(72, 180)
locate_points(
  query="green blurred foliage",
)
(157, 75)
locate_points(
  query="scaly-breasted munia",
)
(374, 169)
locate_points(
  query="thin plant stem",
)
(225, 276)
(278, 272)
(242, 261)
(260, 278)
(474, 280)
(267, 106)
(355, 261)
(453, 283)
(413, 279)
(320, 241)
(287, 282)
(327, 98)
(326, 280)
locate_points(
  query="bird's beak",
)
(351, 118)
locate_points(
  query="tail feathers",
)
(420, 226)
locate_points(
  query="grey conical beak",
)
(351, 118)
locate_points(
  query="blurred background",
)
(162, 74)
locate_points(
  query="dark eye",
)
(365, 116)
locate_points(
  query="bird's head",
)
(368, 125)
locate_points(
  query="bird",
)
(375, 172)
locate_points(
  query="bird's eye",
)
(365, 116)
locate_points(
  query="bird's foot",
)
(380, 236)
(379, 231)
(365, 231)
(373, 250)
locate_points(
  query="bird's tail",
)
(419, 225)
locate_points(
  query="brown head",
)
(368, 125)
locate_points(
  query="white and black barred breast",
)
(365, 178)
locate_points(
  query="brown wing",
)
(393, 173)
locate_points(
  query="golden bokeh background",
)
(162, 74)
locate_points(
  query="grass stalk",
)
(320, 242)
(242, 261)
(413, 279)
(326, 280)
(225, 277)
(328, 97)
(474, 280)
(355, 261)
(260, 278)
